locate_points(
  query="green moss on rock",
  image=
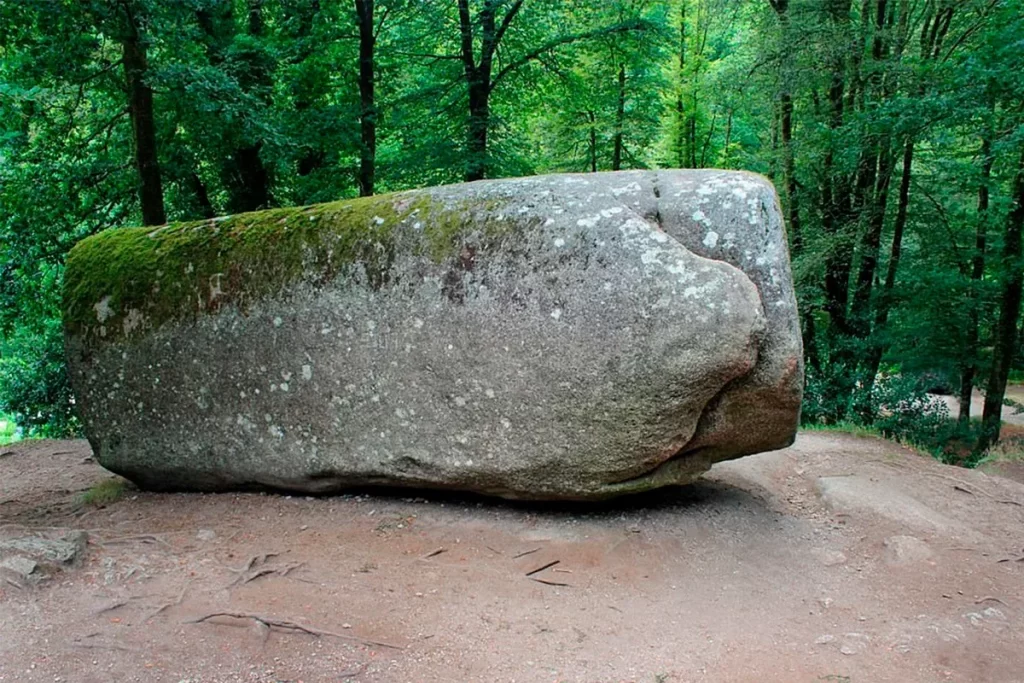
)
(124, 281)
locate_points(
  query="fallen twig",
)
(524, 554)
(111, 607)
(141, 538)
(496, 552)
(989, 598)
(435, 553)
(549, 583)
(538, 570)
(285, 625)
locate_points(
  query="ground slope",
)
(839, 559)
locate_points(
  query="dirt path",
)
(839, 559)
(1014, 392)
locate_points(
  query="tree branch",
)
(506, 21)
(564, 40)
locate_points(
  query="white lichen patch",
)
(711, 239)
(559, 242)
(699, 216)
(132, 320)
(631, 188)
(103, 309)
(588, 222)
(307, 372)
(556, 314)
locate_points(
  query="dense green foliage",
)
(894, 130)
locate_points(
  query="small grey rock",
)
(900, 550)
(22, 566)
(206, 535)
(61, 551)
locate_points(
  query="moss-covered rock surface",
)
(550, 337)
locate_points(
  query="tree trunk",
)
(681, 151)
(1012, 275)
(728, 139)
(206, 209)
(245, 177)
(304, 17)
(140, 108)
(249, 182)
(871, 241)
(620, 116)
(969, 370)
(479, 125)
(895, 253)
(786, 126)
(368, 107)
(592, 118)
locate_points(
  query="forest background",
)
(893, 130)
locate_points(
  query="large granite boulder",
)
(573, 337)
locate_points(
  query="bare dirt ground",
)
(839, 559)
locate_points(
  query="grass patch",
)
(8, 430)
(1009, 448)
(105, 492)
(851, 428)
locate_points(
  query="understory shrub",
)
(34, 387)
(897, 407)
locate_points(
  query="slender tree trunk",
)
(691, 127)
(728, 139)
(969, 370)
(368, 106)
(620, 120)
(885, 299)
(1012, 275)
(206, 209)
(478, 83)
(313, 154)
(592, 118)
(245, 177)
(479, 125)
(871, 241)
(140, 108)
(681, 150)
(786, 128)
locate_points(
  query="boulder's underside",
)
(555, 337)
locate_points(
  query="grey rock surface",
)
(30, 559)
(23, 568)
(555, 337)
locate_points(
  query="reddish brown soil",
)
(745, 576)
